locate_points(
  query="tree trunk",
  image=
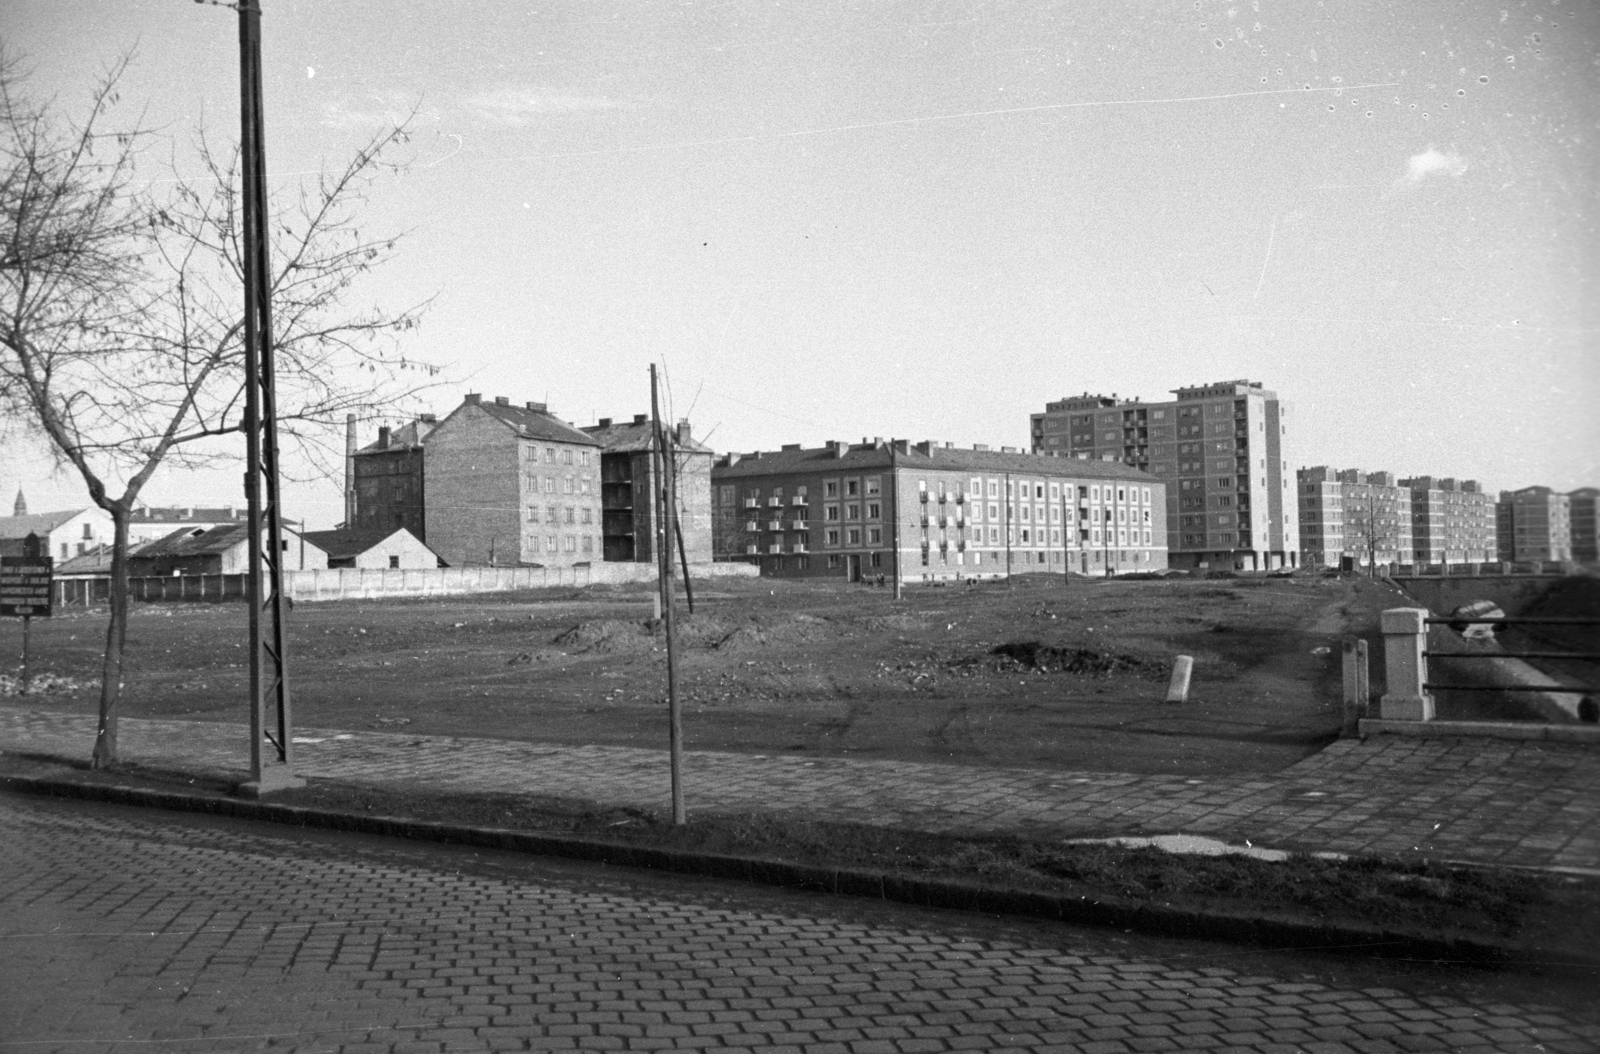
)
(105, 741)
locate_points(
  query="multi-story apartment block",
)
(1347, 513)
(1220, 450)
(1585, 532)
(508, 485)
(387, 481)
(1535, 523)
(629, 482)
(934, 513)
(1452, 521)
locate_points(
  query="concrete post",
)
(1178, 687)
(1405, 634)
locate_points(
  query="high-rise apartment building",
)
(1452, 521)
(1220, 450)
(1585, 532)
(1535, 523)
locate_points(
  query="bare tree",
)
(1372, 523)
(121, 312)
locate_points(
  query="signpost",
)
(26, 588)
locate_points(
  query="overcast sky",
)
(830, 220)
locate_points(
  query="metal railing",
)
(1460, 624)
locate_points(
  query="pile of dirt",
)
(606, 635)
(764, 632)
(1082, 661)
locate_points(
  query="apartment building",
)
(386, 481)
(932, 513)
(1535, 523)
(1220, 449)
(1364, 517)
(629, 482)
(1452, 521)
(1581, 516)
(508, 485)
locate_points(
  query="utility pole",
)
(664, 523)
(894, 496)
(269, 676)
(1066, 536)
(1009, 498)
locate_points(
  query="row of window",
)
(561, 456)
(565, 543)
(556, 514)
(871, 486)
(553, 484)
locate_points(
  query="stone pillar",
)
(1405, 635)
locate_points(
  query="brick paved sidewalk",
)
(1524, 803)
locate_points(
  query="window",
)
(832, 536)
(877, 559)
(855, 535)
(852, 511)
(830, 512)
(533, 514)
(874, 535)
(834, 560)
(994, 488)
(799, 492)
(725, 494)
(852, 487)
(588, 516)
(566, 485)
(550, 513)
(874, 485)
(1027, 514)
(1094, 493)
(874, 510)
(394, 561)
(975, 487)
(1055, 491)
(549, 484)
(583, 485)
(1038, 490)
(569, 543)
(994, 511)
(830, 488)
(584, 457)
(550, 543)
(88, 531)
(588, 543)
(994, 536)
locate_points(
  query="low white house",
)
(374, 548)
(218, 551)
(65, 534)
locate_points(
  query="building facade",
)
(1452, 521)
(1535, 523)
(629, 482)
(1347, 514)
(1585, 531)
(932, 513)
(510, 485)
(1220, 450)
(62, 535)
(386, 481)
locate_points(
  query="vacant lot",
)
(1043, 674)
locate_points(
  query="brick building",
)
(1220, 450)
(628, 482)
(387, 481)
(505, 485)
(934, 513)
(1535, 523)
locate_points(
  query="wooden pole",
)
(664, 491)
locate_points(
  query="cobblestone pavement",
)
(1481, 800)
(124, 931)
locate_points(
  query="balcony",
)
(751, 526)
(752, 550)
(798, 499)
(797, 525)
(923, 497)
(752, 503)
(774, 525)
(775, 503)
(961, 499)
(924, 522)
(799, 547)
(775, 548)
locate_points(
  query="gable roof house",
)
(511, 485)
(398, 548)
(65, 534)
(217, 551)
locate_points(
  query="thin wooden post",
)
(664, 563)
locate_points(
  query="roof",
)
(186, 542)
(403, 438)
(35, 523)
(96, 561)
(634, 435)
(351, 541)
(532, 423)
(930, 457)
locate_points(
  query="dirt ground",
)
(1042, 674)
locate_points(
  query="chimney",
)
(350, 447)
(640, 419)
(980, 446)
(605, 422)
(683, 432)
(536, 407)
(1008, 450)
(429, 419)
(502, 400)
(383, 436)
(924, 448)
(791, 446)
(474, 398)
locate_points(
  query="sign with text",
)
(25, 586)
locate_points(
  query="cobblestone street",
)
(123, 931)
(1475, 800)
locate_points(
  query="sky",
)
(924, 220)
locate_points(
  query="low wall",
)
(356, 583)
(1513, 594)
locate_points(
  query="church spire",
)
(21, 506)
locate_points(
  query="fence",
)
(352, 583)
(1409, 693)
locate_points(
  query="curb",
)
(1155, 920)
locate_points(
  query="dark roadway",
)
(126, 930)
